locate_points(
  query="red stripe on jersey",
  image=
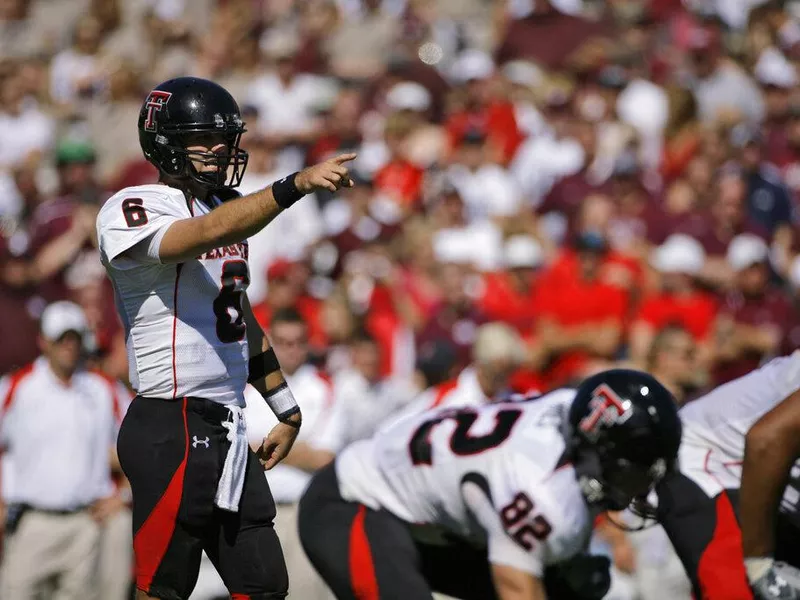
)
(16, 378)
(240, 597)
(362, 570)
(721, 570)
(175, 332)
(442, 390)
(152, 540)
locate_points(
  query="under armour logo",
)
(776, 587)
(195, 442)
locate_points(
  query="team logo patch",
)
(155, 102)
(606, 409)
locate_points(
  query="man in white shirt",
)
(363, 399)
(58, 424)
(488, 190)
(288, 480)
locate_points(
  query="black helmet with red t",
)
(624, 435)
(188, 111)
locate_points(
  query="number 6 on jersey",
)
(235, 279)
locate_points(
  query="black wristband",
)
(262, 365)
(284, 418)
(285, 191)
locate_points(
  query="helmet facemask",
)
(614, 483)
(230, 163)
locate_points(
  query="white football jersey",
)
(184, 325)
(715, 426)
(721, 419)
(492, 475)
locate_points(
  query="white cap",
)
(472, 64)
(60, 317)
(453, 246)
(408, 95)
(495, 342)
(746, 250)
(772, 68)
(680, 253)
(279, 44)
(522, 251)
(523, 72)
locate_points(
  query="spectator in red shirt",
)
(400, 179)
(483, 109)
(755, 317)
(509, 295)
(286, 289)
(678, 261)
(581, 317)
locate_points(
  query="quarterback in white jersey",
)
(495, 501)
(177, 254)
(707, 506)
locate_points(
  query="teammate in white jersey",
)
(493, 501)
(752, 421)
(176, 253)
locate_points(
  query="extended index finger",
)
(343, 158)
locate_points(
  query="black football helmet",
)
(623, 437)
(184, 109)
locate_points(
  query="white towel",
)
(231, 482)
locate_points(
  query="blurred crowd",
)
(614, 180)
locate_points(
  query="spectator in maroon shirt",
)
(754, 317)
(679, 203)
(19, 304)
(726, 218)
(355, 218)
(456, 320)
(550, 37)
(568, 194)
(78, 190)
(776, 77)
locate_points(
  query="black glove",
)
(583, 577)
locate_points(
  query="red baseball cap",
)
(279, 269)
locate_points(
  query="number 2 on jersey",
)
(462, 443)
(230, 328)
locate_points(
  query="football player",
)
(722, 510)
(479, 502)
(177, 254)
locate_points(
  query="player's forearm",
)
(769, 454)
(307, 458)
(513, 584)
(228, 224)
(258, 343)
